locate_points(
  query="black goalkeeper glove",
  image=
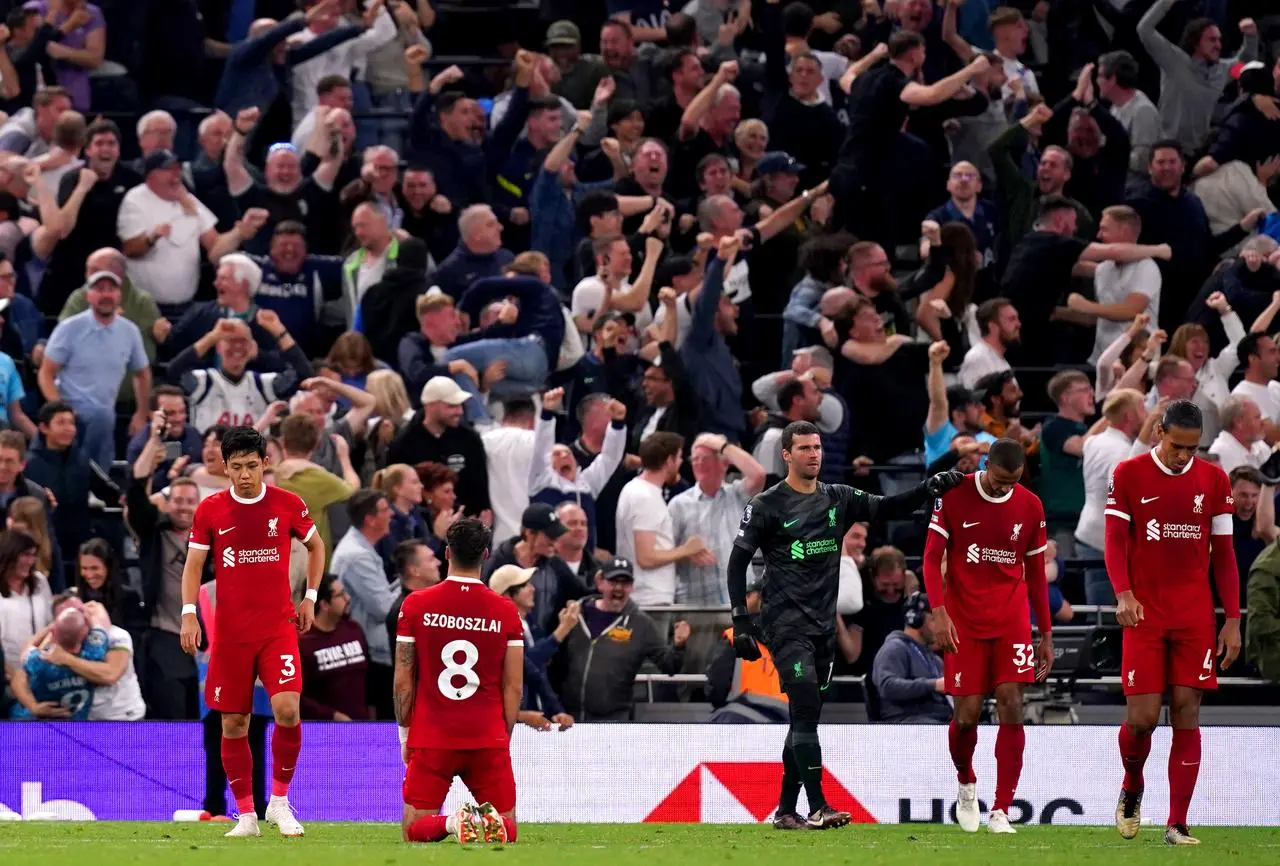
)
(745, 638)
(943, 481)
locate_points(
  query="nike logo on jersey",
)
(966, 524)
(1204, 677)
(284, 680)
(790, 522)
(225, 531)
(1147, 499)
(1025, 670)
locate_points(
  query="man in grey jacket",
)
(1193, 73)
(612, 640)
(907, 672)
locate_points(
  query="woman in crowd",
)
(352, 358)
(98, 579)
(403, 489)
(27, 514)
(26, 604)
(210, 475)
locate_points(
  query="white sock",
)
(451, 825)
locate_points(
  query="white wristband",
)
(404, 735)
(188, 609)
(311, 595)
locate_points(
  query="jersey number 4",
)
(453, 669)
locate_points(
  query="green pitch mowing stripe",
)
(160, 844)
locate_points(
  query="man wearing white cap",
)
(435, 433)
(85, 359)
(540, 705)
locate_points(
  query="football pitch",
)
(163, 844)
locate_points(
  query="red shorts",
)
(1155, 658)
(487, 774)
(980, 664)
(233, 668)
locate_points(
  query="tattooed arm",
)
(406, 678)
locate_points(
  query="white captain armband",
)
(1222, 525)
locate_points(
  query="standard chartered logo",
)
(972, 556)
(802, 549)
(249, 556)
(1153, 530)
(228, 557)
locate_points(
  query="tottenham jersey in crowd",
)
(801, 535)
(59, 685)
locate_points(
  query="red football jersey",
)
(1169, 519)
(249, 543)
(987, 541)
(460, 630)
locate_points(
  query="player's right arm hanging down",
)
(935, 551)
(745, 635)
(1116, 552)
(403, 686)
(512, 684)
(197, 552)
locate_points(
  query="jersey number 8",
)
(453, 669)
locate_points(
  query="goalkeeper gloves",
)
(745, 636)
(943, 481)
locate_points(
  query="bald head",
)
(105, 259)
(836, 300)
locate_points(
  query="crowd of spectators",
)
(577, 288)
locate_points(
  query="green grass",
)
(162, 844)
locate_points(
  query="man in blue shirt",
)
(981, 216)
(954, 411)
(85, 361)
(296, 285)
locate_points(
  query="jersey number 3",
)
(453, 669)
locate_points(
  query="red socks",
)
(1184, 766)
(286, 743)
(962, 744)
(237, 763)
(432, 829)
(1133, 754)
(429, 828)
(1010, 742)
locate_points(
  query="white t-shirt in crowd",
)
(1112, 283)
(1100, 456)
(979, 361)
(684, 318)
(641, 507)
(170, 270)
(588, 295)
(1266, 396)
(1232, 453)
(508, 452)
(21, 616)
(123, 701)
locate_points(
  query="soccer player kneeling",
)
(1169, 517)
(990, 531)
(458, 683)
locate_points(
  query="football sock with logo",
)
(237, 763)
(1184, 767)
(808, 756)
(286, 743)
(510, 824)
(1133, 754)
(790, 779)
(1011, 740)
(962, 743)
(429, 828)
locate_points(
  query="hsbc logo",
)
(228, 557)
(720, 791)
(973, 555)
